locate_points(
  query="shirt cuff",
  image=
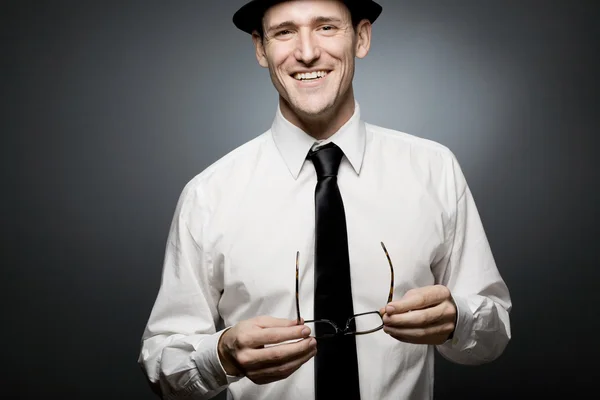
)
(206, 358)
(461, 338)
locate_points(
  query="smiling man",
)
(328, 258)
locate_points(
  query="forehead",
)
(304, 11)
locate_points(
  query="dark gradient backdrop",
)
(109, 108)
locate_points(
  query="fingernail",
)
(313, 343)
(305, 331)
(389, 310)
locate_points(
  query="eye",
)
(327, 28)
(283, 32)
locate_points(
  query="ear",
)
(363, 38)
(261, 57)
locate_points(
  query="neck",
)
(323, 125)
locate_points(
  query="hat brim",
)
(249, 17)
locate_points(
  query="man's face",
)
(309, 48)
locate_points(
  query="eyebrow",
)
(316, 20)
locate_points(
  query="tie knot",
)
(326, 160)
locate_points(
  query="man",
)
(312, 220)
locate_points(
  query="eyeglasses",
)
(358, 324)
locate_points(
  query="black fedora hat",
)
(249, 16)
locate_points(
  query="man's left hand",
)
(424, 315)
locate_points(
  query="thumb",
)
(266, 321)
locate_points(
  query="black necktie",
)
(336, 365)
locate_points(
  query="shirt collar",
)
(293, 143)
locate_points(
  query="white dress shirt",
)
(231, 250)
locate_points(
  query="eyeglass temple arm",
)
(391, 294)
(297, 300)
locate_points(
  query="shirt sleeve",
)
(179, 344)
(469, 270)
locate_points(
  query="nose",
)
(307, 47)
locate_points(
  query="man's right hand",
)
(242, 348)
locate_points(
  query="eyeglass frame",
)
(338, 331)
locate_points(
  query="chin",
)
(312, 110)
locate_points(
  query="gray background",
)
(109, 108)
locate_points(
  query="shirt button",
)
(455, 340)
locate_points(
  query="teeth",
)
(309, 75)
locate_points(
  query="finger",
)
(283, 370)
(255, 359)
(417, 299)
(421, 318)
(435, 334)
(288, 351)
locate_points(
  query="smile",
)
(309, 76)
